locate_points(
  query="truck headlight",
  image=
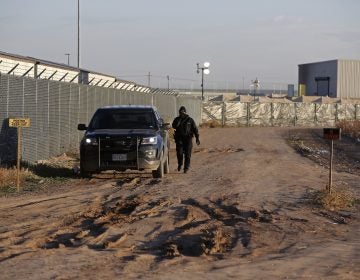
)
(91, 141)
(150, 153)
(149, 141)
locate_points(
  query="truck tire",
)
(159, 173)
(166, 165)
(84, 173)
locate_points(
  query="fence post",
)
(272, 114)
(356, 108)
(23, 98)
(69, 123)
(78, 113)
(59, 130)
(248, 114)
(48, 119)
(336, 113)
(295, 115)
(7, 97)
(36, 118)
(223, 113)
(87, 103)
(315, 115)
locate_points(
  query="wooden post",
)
(18, 123)
(331, 134)
(331, 166)
(18, 159)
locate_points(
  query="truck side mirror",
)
(82, 126)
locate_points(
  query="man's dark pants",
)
(183, 148)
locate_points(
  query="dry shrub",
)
(338, 199)
(211, 124)
(351, 128)
(8, 177)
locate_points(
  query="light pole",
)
(204, 70)
(68, 58)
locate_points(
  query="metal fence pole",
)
(48, 119)
(78, 112)
(59, 124)
(23, 98)
(223, 113)
(356, 109)
(7, 97)
(87, 103)
(336, 113)
(69, 122)
(248, 114)
(36, 118)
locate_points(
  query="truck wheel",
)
(159, 173)
(166, 165)
(84, 173)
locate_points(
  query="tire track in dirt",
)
(230, 210)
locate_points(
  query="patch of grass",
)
(338, 199)
(40, 176)
(8, 179)
(350, 128)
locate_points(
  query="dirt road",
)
(243, 212)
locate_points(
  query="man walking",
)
(185, 130)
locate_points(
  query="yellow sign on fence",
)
(19, 122)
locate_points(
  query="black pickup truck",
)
(125, 137)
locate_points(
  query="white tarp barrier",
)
(260, 114)
(212, 111)
(278, 114)
(346, 111)
(283, 114)
(305, 114)
(236, 114)
(326, 114)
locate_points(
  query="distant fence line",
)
(278, 114)
(55, 109)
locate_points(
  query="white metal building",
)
(334, 78)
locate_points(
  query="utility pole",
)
(149, 79)
(78, 45)
(168, 80)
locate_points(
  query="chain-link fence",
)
(56, 108)
(278, 114)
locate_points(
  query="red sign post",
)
(331, 134)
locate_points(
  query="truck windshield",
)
(123, 119)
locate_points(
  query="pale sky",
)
(242, 39)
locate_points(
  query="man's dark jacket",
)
(185, 127)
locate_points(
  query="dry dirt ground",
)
(243, 212)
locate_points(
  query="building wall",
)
(348, 79)
(309, 72)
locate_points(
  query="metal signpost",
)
(19, 123)
(331, 134)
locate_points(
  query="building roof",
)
(332, 60)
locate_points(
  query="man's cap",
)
(182, 109)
